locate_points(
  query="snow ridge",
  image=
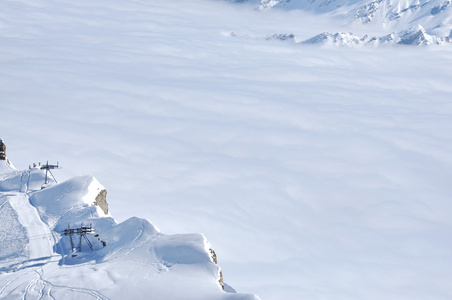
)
(416, 36)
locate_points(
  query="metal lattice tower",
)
(82, 231)
(48, 167)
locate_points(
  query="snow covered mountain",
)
(434, 16)
(414, 36)
(41, 257)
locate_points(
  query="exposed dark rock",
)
(2, 150)
(282, 37)
(101, 201)
(213, 255)
(439, 8)
(366, 13)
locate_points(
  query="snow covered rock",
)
(69, 197)
(366, 13)
(339, 39)
(7, 165)
(101, 200)
(418, 36)
(2, 150)
(440, 8)
(282, 37)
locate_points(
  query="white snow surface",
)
(316, 172)
(138, 262)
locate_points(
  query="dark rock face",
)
(282, 37)
(439, 8)
(101, 201)
(213, 256)
(2, 150)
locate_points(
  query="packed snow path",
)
(40, 239)
(25, 181)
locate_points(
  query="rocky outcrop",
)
(366, 13)
(2, 150)
(101, 201)
(213, 256)
(282, 37)
(440, 8)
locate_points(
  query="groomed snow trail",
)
(24, 181)
(40, 244)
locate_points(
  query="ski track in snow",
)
(28, 216)
(129, 247)
(49, 286)
(40, 245)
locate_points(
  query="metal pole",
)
(80, 243)
(70, 237)
(53, 177)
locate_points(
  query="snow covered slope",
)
(389, 12)
(129, 260)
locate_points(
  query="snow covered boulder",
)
(70, 197)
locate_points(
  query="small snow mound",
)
(282, 37)
(182, 249)
(229, 289)
(6, 167)
(71, 195)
